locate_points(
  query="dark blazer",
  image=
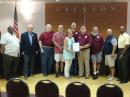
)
(26, 46)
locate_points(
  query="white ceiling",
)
(68, 1)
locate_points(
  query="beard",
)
(94, 33)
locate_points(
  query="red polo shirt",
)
(75, 35)
(84, 39)
(59, 37)
(96, 44)
(46, 39)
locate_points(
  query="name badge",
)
(86, 36)
(76, 33)
(98, 37)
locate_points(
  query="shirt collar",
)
(30, 33)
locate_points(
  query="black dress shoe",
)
(79, 76)
(57, 75)
(119, 80)
(87, 77)
(123, 82)
(94, 77)
(62, 73)
(45, 74)
(25, 77)
(74, 75)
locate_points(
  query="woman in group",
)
(68, 53)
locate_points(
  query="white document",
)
(76, 47)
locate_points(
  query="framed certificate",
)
(76, 47)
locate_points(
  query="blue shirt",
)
(30, 37)
(109, 43)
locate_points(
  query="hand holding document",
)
(76, 47)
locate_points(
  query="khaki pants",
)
(83, 58)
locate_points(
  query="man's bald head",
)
(48, 28)
(60, 28)
(30, 28)
(10, 29)
(109, 32)
(122, 29)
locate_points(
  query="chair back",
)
(109, 90)
(77, 89)
(46, 88)
(17, 88)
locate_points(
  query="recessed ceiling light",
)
(57, 0)
(1, 1)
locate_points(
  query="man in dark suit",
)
(29, 49)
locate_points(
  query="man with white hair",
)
(47, 50)
(110, 46)
(29, 49)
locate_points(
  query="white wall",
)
(128, 18)
(7, 15)
(38, 17)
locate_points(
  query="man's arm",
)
(114, 44)
(125, 49)
(87, 45)
(57, 45)
(41, 48)
(40, 42)
(3, 42)
(22, 44)
(37, 45)
(127, 45)
(2, 48)
(102, 42)
(113, 51)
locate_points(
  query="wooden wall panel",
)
(104, 15)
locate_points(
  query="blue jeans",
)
(29, 62)
(74, 66)
(47, 60)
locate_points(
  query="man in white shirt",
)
(10, 49)
(123, 54)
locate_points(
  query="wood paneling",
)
(104, 15)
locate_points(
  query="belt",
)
(46, 46)
(84, 49)
(121, 48)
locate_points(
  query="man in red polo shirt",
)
(96, 51)
(84, 40)
(47, 50)
(58, 40)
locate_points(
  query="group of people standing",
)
(57, 48)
